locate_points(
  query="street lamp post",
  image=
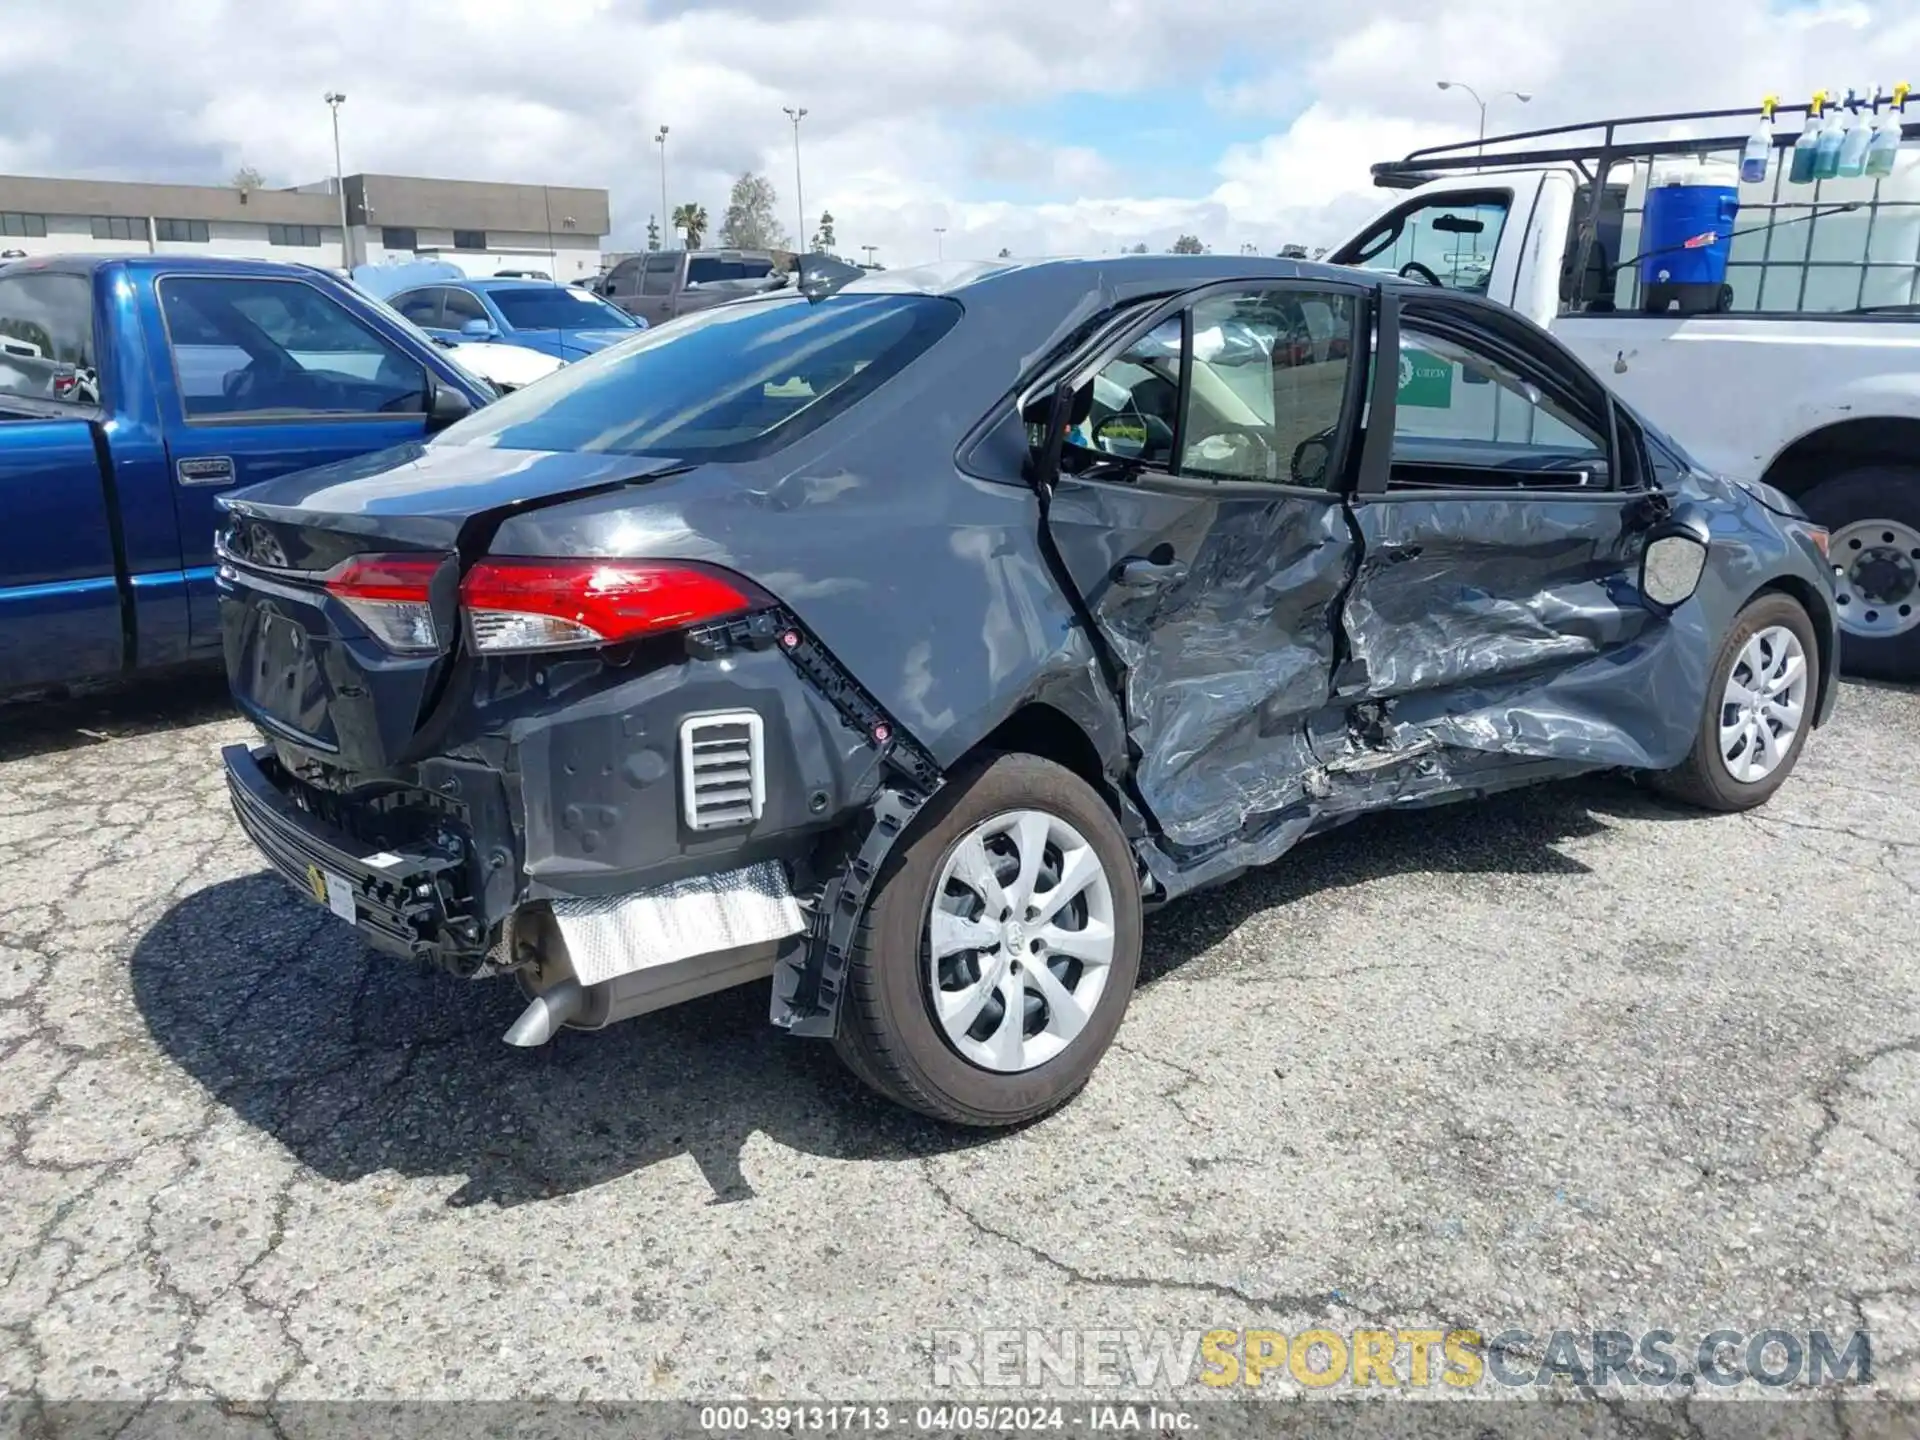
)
(799, 197)
(940, 242)
(1522, 96)
(666, 216)
(335, 99)
(869, 249)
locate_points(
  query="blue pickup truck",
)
(134, 391)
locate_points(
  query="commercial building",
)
(481, 226)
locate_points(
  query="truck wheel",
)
(999, 952)
(1874, 515)
(1758, 710)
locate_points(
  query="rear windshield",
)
(732, 382)
(705, 269)
(556, 307)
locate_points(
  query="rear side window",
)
(280, 347)
(46, 338)
(732, 382)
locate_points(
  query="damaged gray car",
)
(902, 636)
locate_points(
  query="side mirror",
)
(1133, 437)
(477, 329)
(1310, 459)
(445, 404)
(1675, 557)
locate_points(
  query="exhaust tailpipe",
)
(547, 1013)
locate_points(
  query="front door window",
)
(1449, 241)
(1253, 389)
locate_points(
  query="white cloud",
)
(909, 101)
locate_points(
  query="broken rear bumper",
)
(414, 902)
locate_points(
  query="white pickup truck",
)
(1804, 370)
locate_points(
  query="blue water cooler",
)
(1685, 238)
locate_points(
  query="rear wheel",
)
(996, 960)
(1758, 710)
(1874, 517)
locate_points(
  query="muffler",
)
(556, 999)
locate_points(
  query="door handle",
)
(1137, 572)
(205, 470)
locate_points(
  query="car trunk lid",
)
(339, 585)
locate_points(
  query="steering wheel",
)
(253, 382)
(1413, 269)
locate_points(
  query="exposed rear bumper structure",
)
(584, 963)
(410, 903)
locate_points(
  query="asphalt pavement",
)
(1564, 1059)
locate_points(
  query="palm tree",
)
(691, 218)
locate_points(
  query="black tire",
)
(1879, 492)
(1703, 778)
(888, 1035)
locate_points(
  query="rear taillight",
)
(389, 595)
(528, 604)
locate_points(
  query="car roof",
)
(1174, 272)
(484, 283)
(171, 263)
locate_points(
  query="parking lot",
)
(1565, 1058)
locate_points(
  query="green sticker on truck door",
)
(1426, 381)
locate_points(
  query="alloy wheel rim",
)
(1019, 940)
(1763, 705)
(1876, 577)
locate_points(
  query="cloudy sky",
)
(1045, 128)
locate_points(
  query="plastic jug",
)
(1826, 155)
(1808, 145)
(1853, 150)
(1884, 148)
(1687, 232)
(1753, 160)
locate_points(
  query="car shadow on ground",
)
(358, 1064)
(52, 721)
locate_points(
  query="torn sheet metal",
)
(1223, 659)
(699, 916)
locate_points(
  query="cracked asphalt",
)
(1564, 1058)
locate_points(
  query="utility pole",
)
(666, 215)
(335, 99)
(799, 198)
(939, 242)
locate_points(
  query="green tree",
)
(1005, 253)
(692, 219)
(752, 221)
(1187, 245)
(247, 180)
(1139, 249)
(653, 232)
(823, 240)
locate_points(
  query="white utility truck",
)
(1795, 361)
